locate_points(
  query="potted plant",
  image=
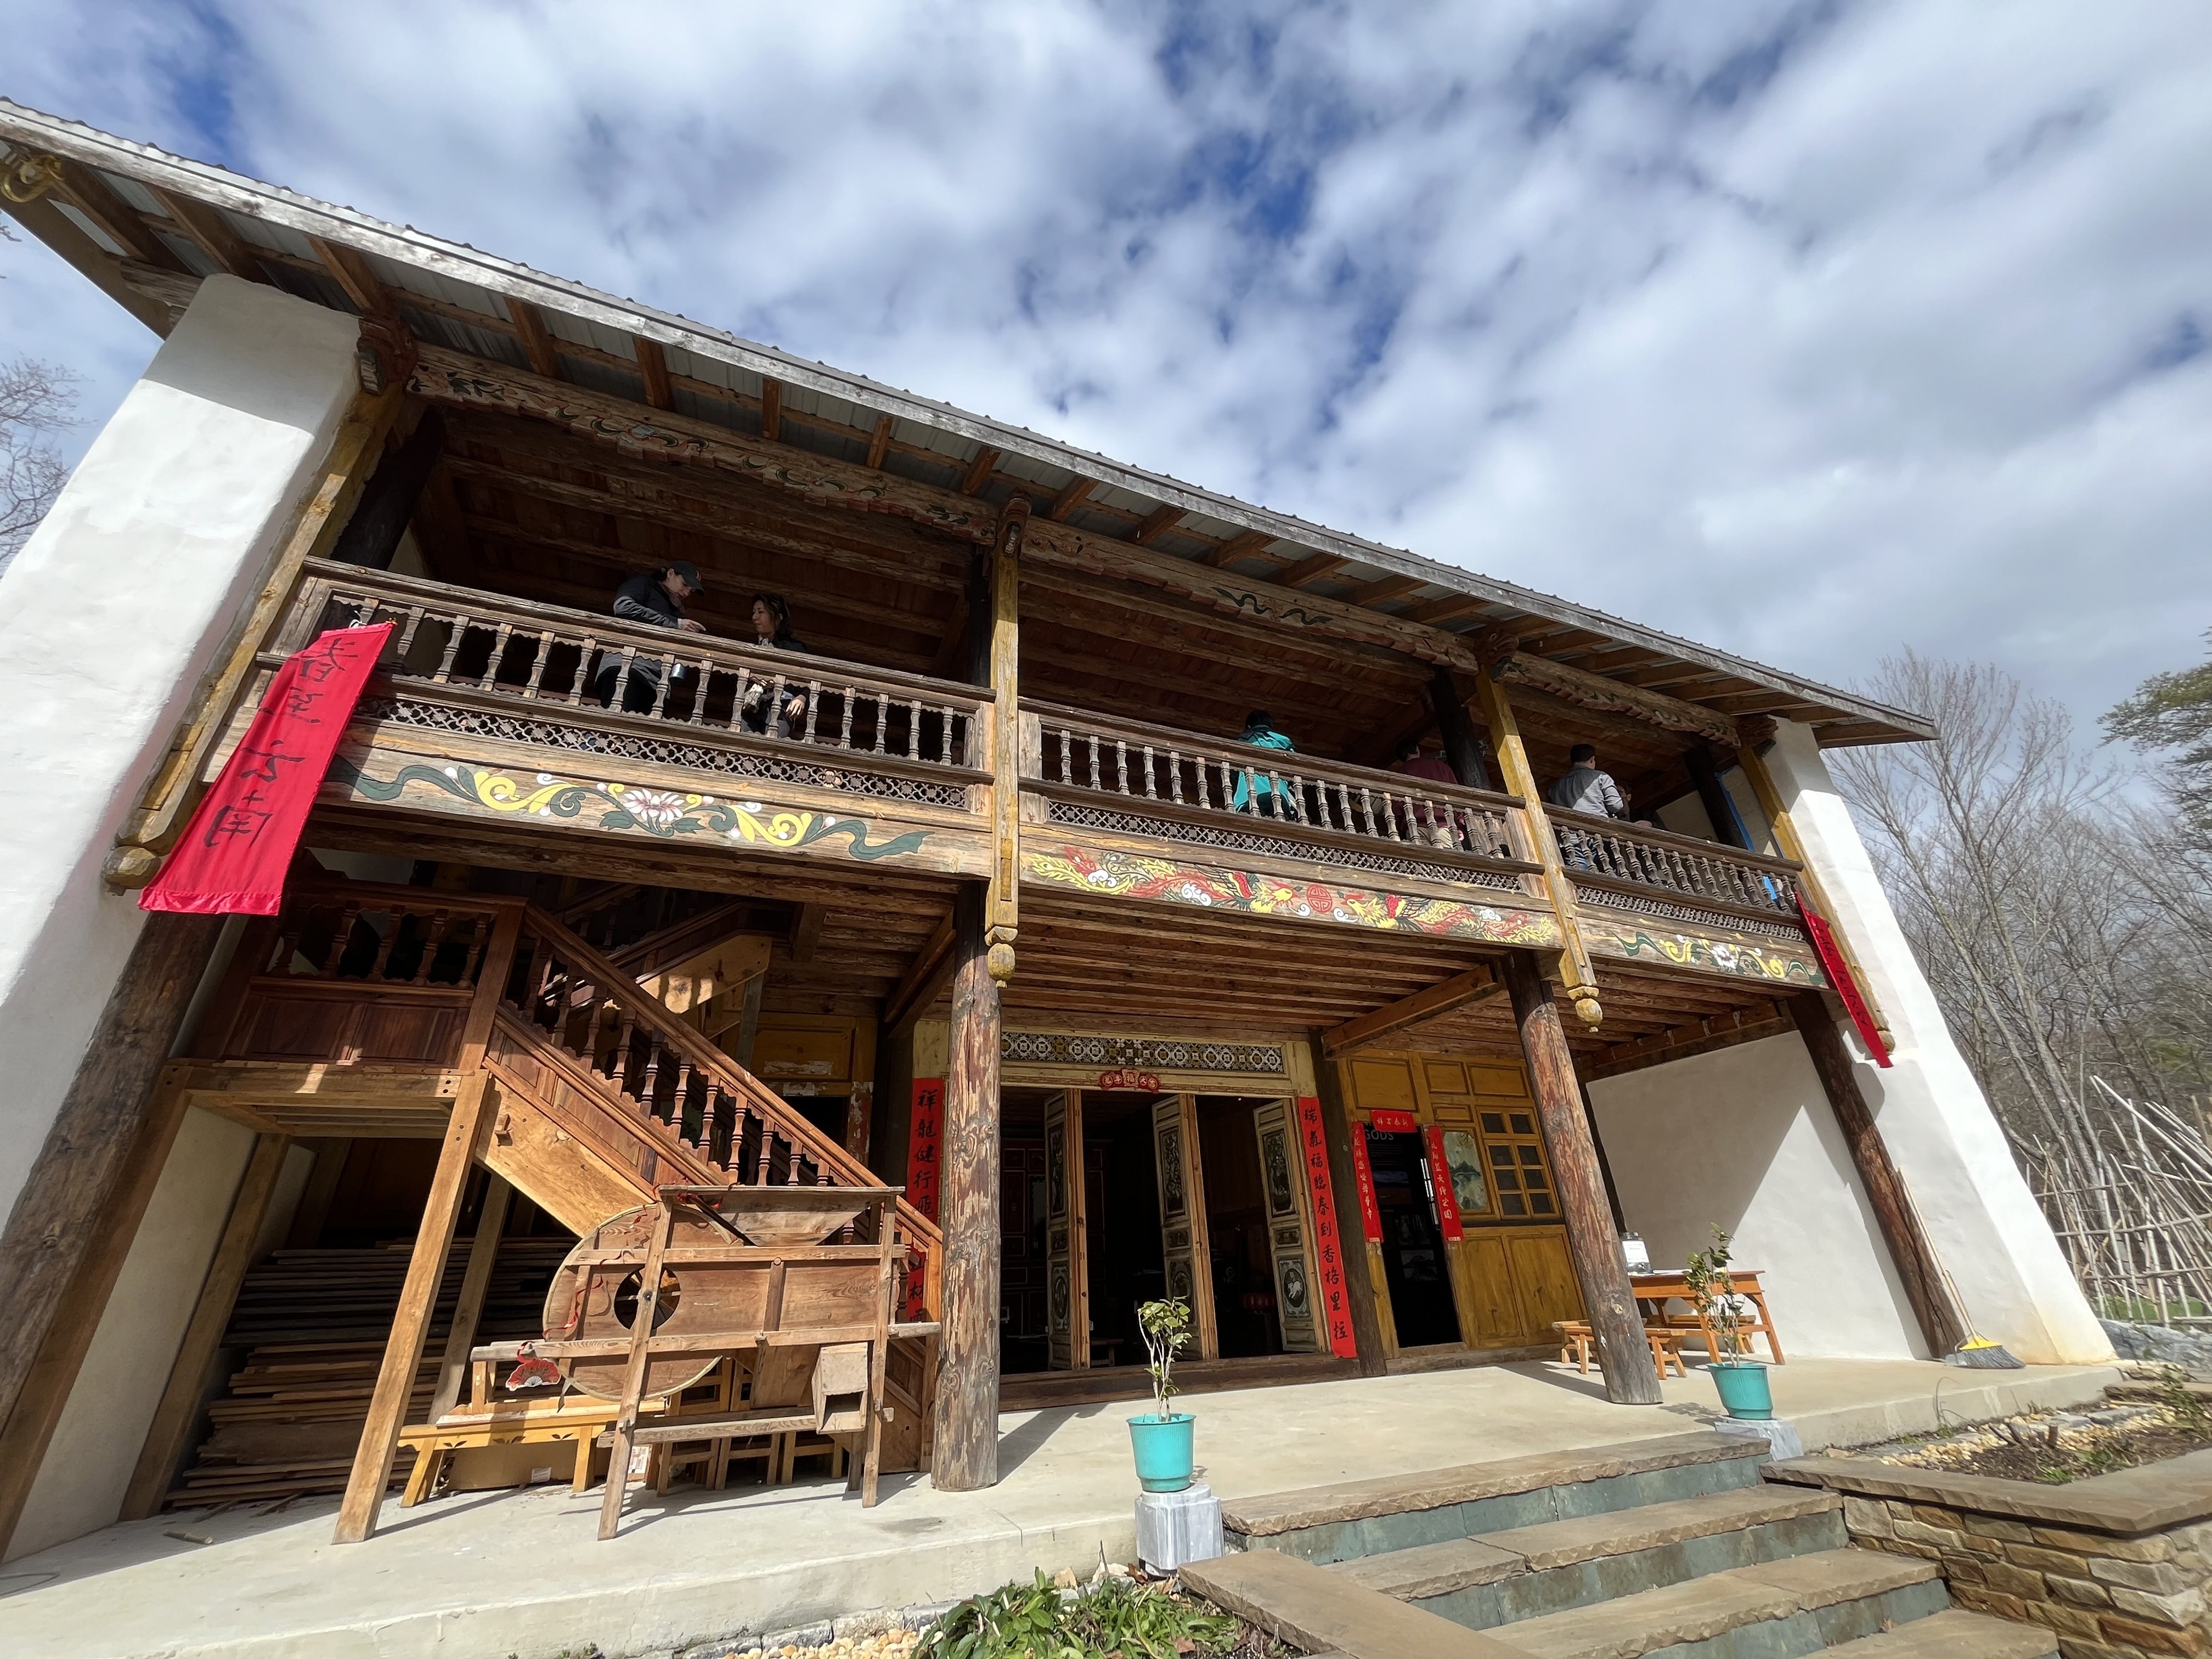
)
(1740, 1379)
(1166, 1456)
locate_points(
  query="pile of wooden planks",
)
(314, 1324)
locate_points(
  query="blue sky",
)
(1811, 331)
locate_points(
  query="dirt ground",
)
(2055, 1447)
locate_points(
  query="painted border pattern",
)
(1146, 1053)
(1765, 960)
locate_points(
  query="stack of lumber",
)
(314, 1323)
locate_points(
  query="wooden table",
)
(1654, 1290)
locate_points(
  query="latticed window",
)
(1518, 1169)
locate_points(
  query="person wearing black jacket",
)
(772, 626)
(654, 599)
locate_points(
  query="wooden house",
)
(983, 895)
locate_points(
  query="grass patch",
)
(1114, 1618)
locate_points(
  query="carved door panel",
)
(1282, 1181)
(1186, 1251)
(1067, 1262)
(1544, 1274)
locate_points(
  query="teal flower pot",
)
(1166, 1454)
(1744, 1392)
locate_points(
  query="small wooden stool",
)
(1576, 1337)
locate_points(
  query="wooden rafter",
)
(652, 368)
(537, 339)
(771, 409)
(879, 440)
(1389, 587)
(1312, 568)
(351, 272)
(1157, 524)
(1078, 490)
(1241, 545)
(1474, 985)
(925, 979)
(978, 470)
(213, 235)
(1444, 609)
(117, 219)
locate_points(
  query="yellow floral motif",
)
(777, 829)
(500, 793)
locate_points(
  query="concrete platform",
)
(486, 1575)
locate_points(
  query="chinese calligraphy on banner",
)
(1370, 1212)
(235, 852)
(1315, 1144)
(925, 1142)
(1440, 1177)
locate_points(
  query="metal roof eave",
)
(406, 245)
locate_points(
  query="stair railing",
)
(575, 997)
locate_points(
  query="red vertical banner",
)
(925, 1142)
(1314, 1140)
(234, 853)
(1840, 977)
(1370, 1212)
(1440, 1178)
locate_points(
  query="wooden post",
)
(372, 537)
(1575, 970)
(1461, 747)
(68, 1205)
(483, 1253)
(1352, 1245)
(419, 1296)
(1630, 1377)
(180, 1400)
(966, 1454)
(1003, 921)
(1727, 826)
(1942, 1322)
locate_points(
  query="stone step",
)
(1775, 1610)
(1529, 1571)
(1355, 1518)
(1953, 1634)
(1316, 1612)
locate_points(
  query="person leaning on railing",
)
(1260, 789)
(655, 599)
(772, 627)
(1583, 789)
(1432, 820)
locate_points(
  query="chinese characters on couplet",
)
(1314, 1141)
(924, 1163)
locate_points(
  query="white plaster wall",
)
(108, 617)
(88, 1463)
(1979, 1215)
(1744, 1138)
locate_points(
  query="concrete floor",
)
(491, 1575)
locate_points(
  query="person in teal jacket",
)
(1274, 795)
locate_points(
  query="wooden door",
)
(1185, 1252)
(1283, 1180)
(1067, 1259)
(1545, 1275)
(1488, 1291)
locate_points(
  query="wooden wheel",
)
(584, 1304)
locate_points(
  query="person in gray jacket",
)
(1582, 788)
(654, 599)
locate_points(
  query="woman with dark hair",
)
(772, 629)
(1271, 797)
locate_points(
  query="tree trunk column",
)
(965, 1457)
(1941, 1323)
(1599, 1268)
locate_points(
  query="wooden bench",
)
(1654, 1290)
(1576, 1339)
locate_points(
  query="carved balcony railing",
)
(1131, 778)
(1635, 867)
(464, 662)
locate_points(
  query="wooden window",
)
(1522, 1178)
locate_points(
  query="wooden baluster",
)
(460, 626)
(498, 658)
(1366, 812)
(1120, 766)
(1060, 749)
(647, 1090)
(338, 940)
(539, 657)
(883, 720)
(384, 945)
(407, 633)
(738, 698)
(583, 670)
(625, 1029)
(433, 935)
(759, 1175)
(364, 608)
(699, 697)
(479, 938)
(1095, 784)
(773, 707)
(944, 734)
(1205, 783)
(1298, 800)
(667, 684)
(1149, 794)
(845, 723)
(1175, 777)
(914, 729)
(813, 707)
(621, 694)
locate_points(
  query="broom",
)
(1978, 1352)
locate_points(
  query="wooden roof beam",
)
(653, 369)
(1162, 520)
(1078, 490)
(1475, 985)
(926, 977)
(1389, 587)
(537, 339)
(1589, 691)
(878, 441)
(1241, 545)
(120, 222)
(1433, 611)
(771, 409)
(1312, 568)
(351, 272)
(978, 470)
(212, 235)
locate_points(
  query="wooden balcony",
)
(507, 712)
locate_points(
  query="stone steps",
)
(1529, 1572)
(1953, 1634)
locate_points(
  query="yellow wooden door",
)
(1544, 1275)
(1489, 1291)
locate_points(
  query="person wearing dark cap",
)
(1583, 789)
(654, 599)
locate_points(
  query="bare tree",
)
(37, 401)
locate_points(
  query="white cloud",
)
(1808, 331)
